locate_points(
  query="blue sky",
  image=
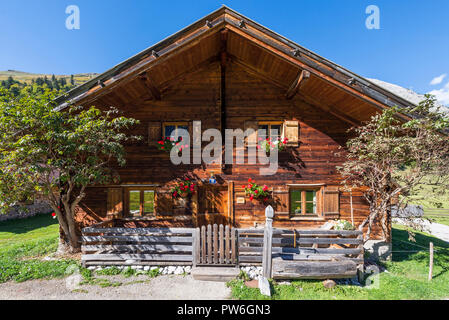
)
(411, 48)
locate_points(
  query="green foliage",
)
(57, 153)
(243, 276)
(129, 272)
(153, 273)
(110, 271)
(392, 158)
(254, 191)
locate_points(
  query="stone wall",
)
(21, 212)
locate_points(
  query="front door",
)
(213, 205)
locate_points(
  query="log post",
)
(267, 242)
(430, 261)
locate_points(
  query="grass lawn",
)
(406, 277)
(23, 243)
(437, 215)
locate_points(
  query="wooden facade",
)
(229, 72)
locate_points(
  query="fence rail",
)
(309, 253)
(103, 244)
(293, 244)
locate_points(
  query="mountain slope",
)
(27, 77)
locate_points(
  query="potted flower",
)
(343, 225)
(183, 189)
(169, 143)
(268, 144)
(254, 191)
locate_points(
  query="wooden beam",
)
(257, 73)
(145, 64)
(300, 80)
(150, 85)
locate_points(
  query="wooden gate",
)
(217, 245)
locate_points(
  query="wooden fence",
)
(102, 245)
(286, 253)
(288, 244)
(216, 245)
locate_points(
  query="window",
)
(270, 129)
(303, 202)
(171, 129)
(140, 202)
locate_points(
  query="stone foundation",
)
(379, 249)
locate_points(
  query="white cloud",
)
(438, 80)
(442, 95)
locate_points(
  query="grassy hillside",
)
(27, 77)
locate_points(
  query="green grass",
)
(23, 243)
(406, 277)
(437, 215)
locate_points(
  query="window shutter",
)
(331, 201)
(251, 140)
(164, 203)
(154, 133)
(291, 132)
(115, 201)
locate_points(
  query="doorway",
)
(213, 205)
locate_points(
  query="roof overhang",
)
(298, 57)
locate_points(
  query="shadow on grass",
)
(28, 224)
(406, 250)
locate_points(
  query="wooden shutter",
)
(164, 203)
(154, 133)
(281, 202)
(291, 132)
(252, 139)
(115, 202)
(331, 201)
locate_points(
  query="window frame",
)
(142, 191)
(318, 205)
(176, 124)
(269, 124)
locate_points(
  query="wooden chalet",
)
(228, 71)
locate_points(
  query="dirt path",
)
(438, 230)
(139, 287)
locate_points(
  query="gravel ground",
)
(138, 287)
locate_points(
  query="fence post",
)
(267, 242)
(430, 261)
(196, 247)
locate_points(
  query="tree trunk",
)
(68, 237)
(63, 245)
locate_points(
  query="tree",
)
(72, 80)
(391, 160)
(54, 82)
(57, 154)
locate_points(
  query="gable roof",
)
(226, 18)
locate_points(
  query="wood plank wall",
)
(196, 96)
